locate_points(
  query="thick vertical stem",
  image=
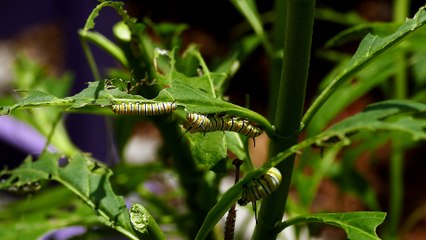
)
(276, 61)
(396, 190)
(400, 12)
(291, 96)
(400, 80)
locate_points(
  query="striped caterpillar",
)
(144, 109)
(204, 123)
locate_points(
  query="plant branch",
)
(276, 62)
(90, 59)
(400, 12)
(291, 96)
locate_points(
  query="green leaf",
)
(36, 98)
(248, 9)
(369, 49)
(170, 33)
(197, 82)
(96, 94)
(237, 145)
(33, 225)
(393, 115)
(368, 78)
(47, 198)
(45, 91)
(90, 22)
(208, 149)
(84, 177)
(187, 63)
(50, 209)
(106, 45)
(197, 101)
(376, 117)
(357, 225)
(359, 31)
(205, 70)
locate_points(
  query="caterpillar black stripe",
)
(197, 123)
(204, 123)
(261, 187)
(144, 109)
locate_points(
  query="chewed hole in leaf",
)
(15, 180)
(69, 208)
(27, 188)
(4, 175)
(63, 162)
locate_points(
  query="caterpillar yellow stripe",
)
(203, 123)
(144, 109)
(261, 187)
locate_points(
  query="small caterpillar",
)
(145, 109)
(197, 123)
(204, 123)
(261, 187)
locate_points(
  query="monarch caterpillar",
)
(197, 123)
(261, 187)
(204, 123)
(145, 109)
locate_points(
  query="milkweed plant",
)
(172, 86)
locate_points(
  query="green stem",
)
(400, 12)
(90, 59)
(396, 173)
(58, 136)
(276, 62)
(291, 96)
(105, 44)
(206, 71)
(400, 81)
(298, 220)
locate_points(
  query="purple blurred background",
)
(86, 131)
